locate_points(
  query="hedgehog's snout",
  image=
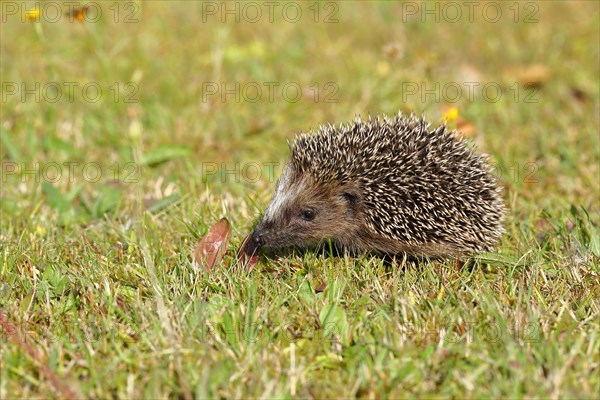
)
(257, 238)
(253, 242)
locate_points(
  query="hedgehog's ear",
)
(352, 197)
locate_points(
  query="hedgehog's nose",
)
(252, 243)
(257, 238)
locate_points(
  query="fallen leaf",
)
(579, 94)
(394, 51)
(320, 287)
(77, 13)
(211, 249)
(534, 75)
(465, 128)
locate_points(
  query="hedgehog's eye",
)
(308, 214)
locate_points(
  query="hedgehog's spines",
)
(420, 184)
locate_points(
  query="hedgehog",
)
(389, 186)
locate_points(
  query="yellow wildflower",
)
(382, 68)
(33, 14)
(451, 114)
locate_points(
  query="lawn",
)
(129, 128)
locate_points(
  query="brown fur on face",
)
(336, 213)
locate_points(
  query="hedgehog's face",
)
(305, 214)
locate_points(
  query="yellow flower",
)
(441, 293)
(383, 68)
(33, 14)
(451, 114)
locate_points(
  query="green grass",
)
(97, 289)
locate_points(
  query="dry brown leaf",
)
(465, 128)
(534, 75)
(579, 94)
(394, 50)
(211, 249)
(320, 287)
